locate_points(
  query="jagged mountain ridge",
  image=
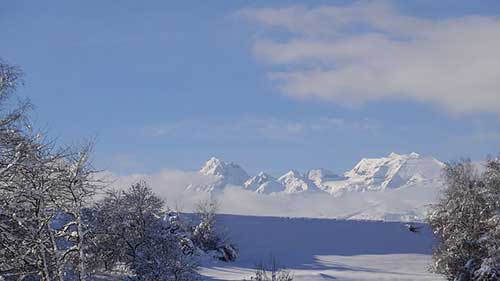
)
(222, 174)
(370, 174)
(391, 172)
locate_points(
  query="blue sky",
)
(272, 86)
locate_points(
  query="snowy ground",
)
(325, 249)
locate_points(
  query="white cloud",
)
(369, 51)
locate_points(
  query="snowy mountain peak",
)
(219, 175)
(264, 175)
(295, 182)
(318, 176)
(393, 171)
(394, 155)
(212, 166)
(414, 155)
(291, 173)
(255, 182)
(230, 172)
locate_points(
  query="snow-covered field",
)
(326, 249)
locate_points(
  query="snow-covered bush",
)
(466, 223)
(162, 258)
(204, 233)
(207, 237)
(271, 272)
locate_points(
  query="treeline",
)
(52, 228)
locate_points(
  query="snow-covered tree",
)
(76, 187)
(26, 182)
(488, 267)
(26, 215)
(38, 183)
(465, 222)
(131, 232)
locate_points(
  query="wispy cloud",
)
(155, 131)
(165, 129)
(261, 127)
(370, 51)
(329, 123)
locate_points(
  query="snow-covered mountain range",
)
(395, 171)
